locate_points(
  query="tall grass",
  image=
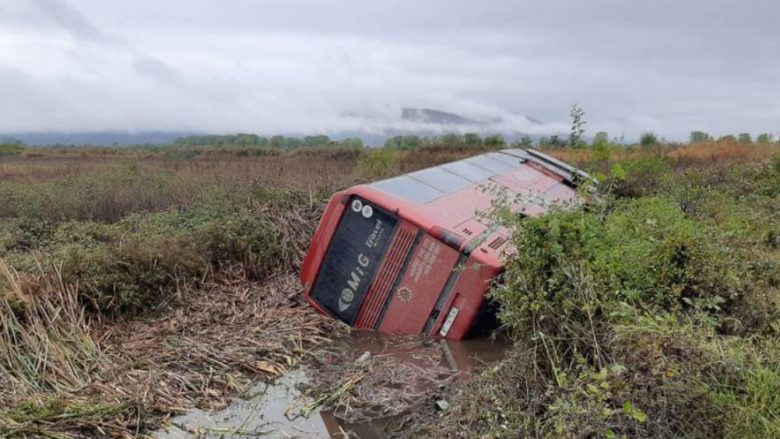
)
(681, 156)
(46, 342)
(108, 192)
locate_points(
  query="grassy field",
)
(135, 284)
(136, 289)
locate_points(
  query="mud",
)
(364, 385)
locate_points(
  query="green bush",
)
(11, 149)
(18, 235)
(643, 176)
(648, 139)
(380, 162)
(655, 316)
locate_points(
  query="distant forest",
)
(286, 142)
(242, 139)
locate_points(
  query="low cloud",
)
(158, 70)
(306, 67)
(69, 19)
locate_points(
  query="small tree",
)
(411, 141)
(292, 142)
(318, 140)
(494, 140)
(728, 138)
(525, 141)
(451, 139)
(601, 138)
(556, 141)
(243, 139)
(577, 126)
(764, 138)
(277, 141)
(700, 136)
(648, 139)
(355, 142)
(472, 139)
(744, 138)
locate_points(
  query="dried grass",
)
(224, 334)
(697, 154)
(64, 380)
(714, 152)
(297, 171)
(46, 342)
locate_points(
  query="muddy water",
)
(275, 411)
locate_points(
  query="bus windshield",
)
(352, 259)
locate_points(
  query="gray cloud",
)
(320, 66)
(70, 19)
(154, 68)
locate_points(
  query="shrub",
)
(655, 316)
(648, 139)
(764, 138)
(699, 137)
(643, 176)
(11, 149)
(495, 140)
(379, 163)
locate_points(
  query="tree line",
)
(411, 141)
(278, 141)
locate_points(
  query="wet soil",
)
(364, 385)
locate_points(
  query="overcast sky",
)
(326, 66)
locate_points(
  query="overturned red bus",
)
(413, 255)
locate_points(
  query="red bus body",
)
(413, 254)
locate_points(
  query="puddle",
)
(399, 374)
(458, 356)
(267, 410)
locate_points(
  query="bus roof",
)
(430, 184)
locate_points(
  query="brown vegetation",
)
(697, 154)
(136, 284)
